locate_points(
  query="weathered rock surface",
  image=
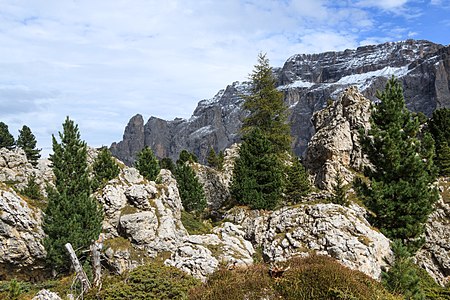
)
(21, 251)
(327, 229)
(46, 295)
(308, 82)
(434, 256)
(335, 148)
(15, 169)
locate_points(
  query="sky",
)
(100, 62)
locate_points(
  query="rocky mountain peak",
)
(308, 81)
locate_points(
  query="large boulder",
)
(328, 229)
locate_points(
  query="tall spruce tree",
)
(147, 164)
(212, 159)
(297, 183)
(104, 168)
(72, 215)
(191, 190)
(6, 138)
(27, 141)
(439, 126)
(400, 192)
(258, 179)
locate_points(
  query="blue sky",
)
(101, 62)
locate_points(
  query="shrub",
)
(152, 281)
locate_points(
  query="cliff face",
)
(308, 81)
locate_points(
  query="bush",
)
(152, 281)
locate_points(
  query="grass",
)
(195, 225)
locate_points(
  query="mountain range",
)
(308, 82)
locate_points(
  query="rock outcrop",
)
(308, 81)
(21, 251)
(434, 256)
(335, 148)
(46, 295)
(327, 229)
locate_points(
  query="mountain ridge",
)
(308, 81)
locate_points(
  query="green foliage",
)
(297, 183)
(186, 156)
(439, 125)
(147, 164)
(32, 190)
(167, 163)
(27, 142)
(72, 215)
(14, 289)
(339, 191)
(400, 192)
(267, 109)
(6, 138)
(194, 225)
(152, 281)
(402, 277)
(191, 190)
(104, 168)
(258, 173)
(212, 159)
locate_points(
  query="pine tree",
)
(72, 215)
(147, 164)
(220, 160)
(167, 163)
(258, 178)
(212, 158)
(190, 188)
(32, 189)
(339, 191)
(400, 192)
(297, 183)
(186, 156)
(267, 109)
(6, 138)
(104, 168)
(258, 173)
(439, 125)
(27, 142)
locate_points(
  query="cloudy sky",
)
(101, 61)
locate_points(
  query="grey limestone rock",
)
(46, 295)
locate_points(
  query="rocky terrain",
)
(308, 81)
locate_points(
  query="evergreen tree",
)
(72, 215)
(32, 189)
(27, 142)
(104, 168)
(267, 109)
(297, 183)
(167, 163)
(147, 164)
(186, 156)
(258, 173)
(190, 188)
(402, 276)
(339, 191)
(400, 192)
(212, 159)
(439, 125)
(220, 159)
(258, 179)
(6, 139)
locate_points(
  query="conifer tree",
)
(212, 158)
(220, 159)
(258, 172)
(186, 156)
(27, 142)
(32, 189)
(72, 215)
(147, 164)
(190, 188)
(104, 168)
(400, 192)
(297, 183)
(6, 138)
(167, 163)
(339, 191)
(439, 126)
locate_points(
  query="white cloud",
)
(383, 4)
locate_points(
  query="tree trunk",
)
(81, 275)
